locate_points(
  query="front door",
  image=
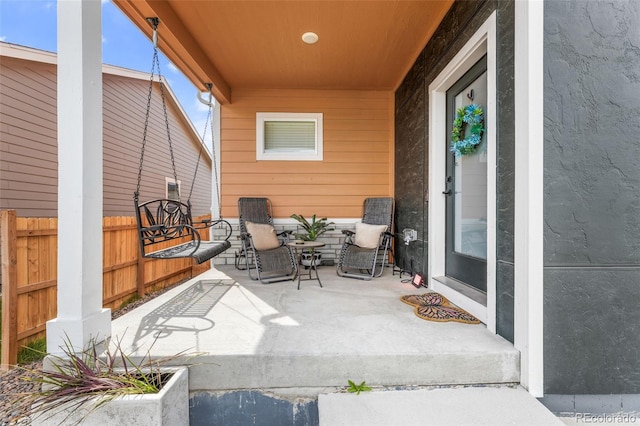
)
(466, 177)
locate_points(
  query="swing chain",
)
(166, 122)
(204, 135)
(215, 167)
(155, 63)
(214, 161)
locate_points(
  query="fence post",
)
(140, 284)
(8, 237)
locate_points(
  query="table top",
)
(306, 244)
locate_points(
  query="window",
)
(172, 189)
(289, 136)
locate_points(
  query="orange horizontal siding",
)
(307, 168)
(305, 189)
(329, 156)
(347, 147)
(358, 147)
(321, 205)
(311, 179)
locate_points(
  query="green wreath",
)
(473, 116)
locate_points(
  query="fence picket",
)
(34, 249)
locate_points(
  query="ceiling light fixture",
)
(310, 38)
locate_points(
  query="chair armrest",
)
(286, 235)
(349, 235)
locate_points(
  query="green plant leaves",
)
(353, 388)
(313, 229)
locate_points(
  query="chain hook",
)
(154, 24)
(209, 87)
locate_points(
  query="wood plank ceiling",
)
(363, 45)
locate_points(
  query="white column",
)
(529, 196)
(80, 313)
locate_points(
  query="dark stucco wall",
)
(411, 150)
(592, 197)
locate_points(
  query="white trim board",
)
(529, 194)
(481, 43)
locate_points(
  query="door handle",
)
(447, 192)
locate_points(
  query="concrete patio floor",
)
(255, 336)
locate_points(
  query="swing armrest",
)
(206, 222)
(223, 223)
(210, 223)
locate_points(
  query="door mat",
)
(433, 306)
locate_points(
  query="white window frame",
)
(167, 181)
(306, 155)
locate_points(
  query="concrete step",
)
(478, 405)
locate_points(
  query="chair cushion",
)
(368, 236)
(263, 236)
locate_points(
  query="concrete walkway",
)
(486, 405)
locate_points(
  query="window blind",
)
(290, 135)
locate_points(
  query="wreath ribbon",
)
(473, 116)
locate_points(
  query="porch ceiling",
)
(363, 45)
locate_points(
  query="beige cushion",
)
(263, 236)
(368, 236)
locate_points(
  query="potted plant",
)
(83, 387)
(313, 229)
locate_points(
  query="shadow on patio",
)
(193, 302)
(273, 336)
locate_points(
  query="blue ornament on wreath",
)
(470, 115)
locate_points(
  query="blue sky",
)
(33, 23)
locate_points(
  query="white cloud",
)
(173, 68)
(3, 38)
(104, 40)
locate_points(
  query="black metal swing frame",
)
(162, 221)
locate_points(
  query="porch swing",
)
(166, 229)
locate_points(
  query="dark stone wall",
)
(592, 197)
(410, 166)
(505, 176)
(411, 150)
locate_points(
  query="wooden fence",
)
(29, 271)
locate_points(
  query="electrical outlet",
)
(409, 235)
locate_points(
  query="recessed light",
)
(310, 38)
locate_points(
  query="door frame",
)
(481, 43)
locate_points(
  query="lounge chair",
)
(263, 250)
(365, 252)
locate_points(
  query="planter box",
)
(305, 259)
(168, 407)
